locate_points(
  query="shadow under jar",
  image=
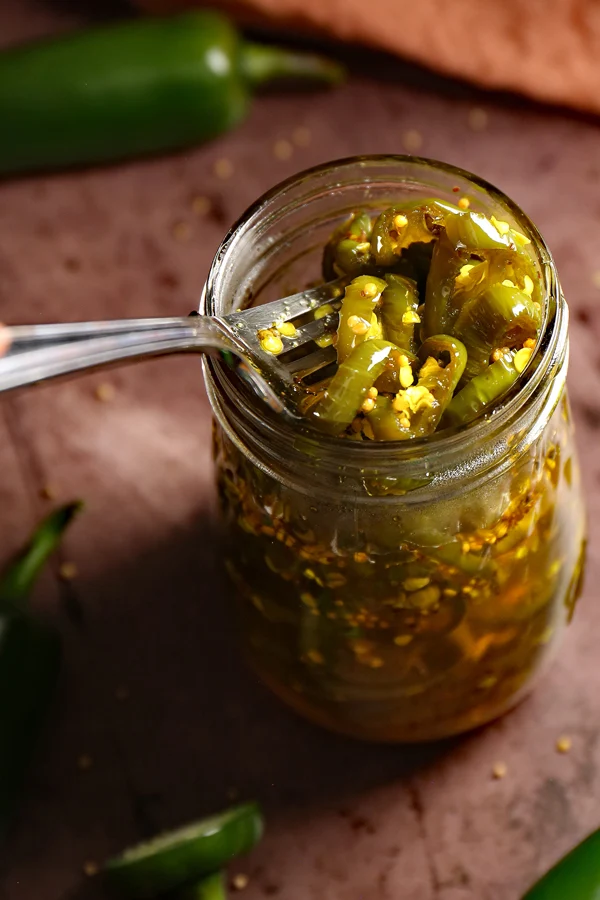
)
(395, 591)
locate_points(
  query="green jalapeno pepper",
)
(349, 386)
(443, 360)
(446, 263)
(417, 410)
(348, 251)
(356, 314)
(29, 667)
(176, 860)
(502, 316)
(398, 312)
(20, 574)
(473, 231)
(396, 229)
(399, 365)
(386, 422)
(575, 877)
(481, 391)
(138, 87)
(29, 660)
(210, 888)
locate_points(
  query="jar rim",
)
(451, 442)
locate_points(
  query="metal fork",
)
(34, 353)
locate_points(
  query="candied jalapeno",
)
(358, 313)
(398, 312)
(349, 386)
(501, 317)
(474, 231)
(419, 407)
(385, 421)
(481, 288)
(348, 250)
(482, 391)
(397, 228)
(446, 264)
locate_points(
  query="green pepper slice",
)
(19, 576)
(481, 391)
(575, 877)
(348, 387)
(398, 312)
(386, 422)
(178, 858)
(348, 251)
(29, 667)
(358, 306)
(443, 360)
(397, 228)
(473, 231)
(389, 381)
(502, 316)
(516, 265)
(416, 411)
(446, 263)
(210, 888)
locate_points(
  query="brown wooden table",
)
(153, 690)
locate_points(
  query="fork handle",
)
(37, 352)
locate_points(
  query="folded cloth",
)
(546, 49)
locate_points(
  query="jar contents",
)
(393, 611)
(441, 316)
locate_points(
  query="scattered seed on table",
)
(239, 882)
(301, 136)
(282, 149)
(84, 762)
(477, 119)
(564, 743)
(464, 203)
(67, 571)
(201, 206)
(596, 279)
(105, 392)
(223, 168)
(181, 231)
(90, 868)
(122, 692)
(48, 492)
(412, 140)
(500, 770)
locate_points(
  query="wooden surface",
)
(153, 689)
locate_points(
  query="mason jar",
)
(394, 591)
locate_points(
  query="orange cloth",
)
(546, 49)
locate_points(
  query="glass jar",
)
(393, 591)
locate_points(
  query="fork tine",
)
(311, 331)
(300, 357)
(306, 365)
(298, 304)
(288, 308)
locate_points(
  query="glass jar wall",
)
(393, 592)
